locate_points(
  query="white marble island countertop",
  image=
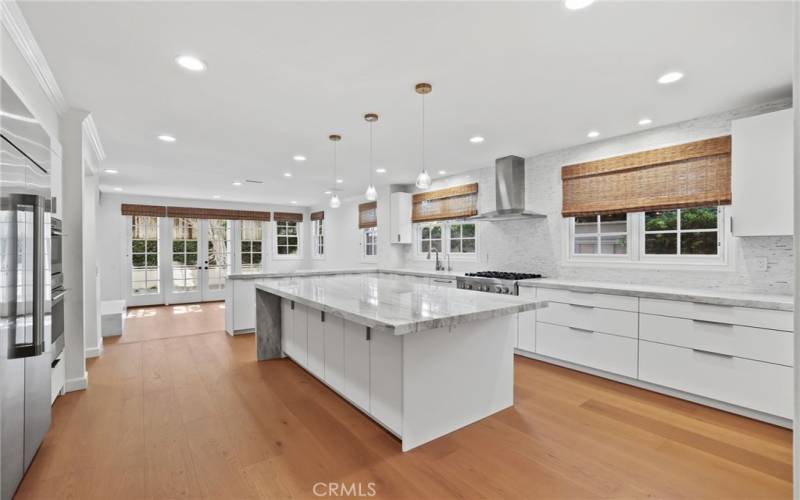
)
(401, 307)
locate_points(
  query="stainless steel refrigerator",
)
(24, 288)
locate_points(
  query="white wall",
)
(112, 236)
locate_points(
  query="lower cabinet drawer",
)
(746, 316)
(750, 384)
(772, 346)
(591, 318)
(605, 300)
(609, 353)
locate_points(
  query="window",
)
(687, 231)
(144, 255)
(370, 242)
(462, 238)
(688, 236)
(287, 239)
(457, 238)
(218, 235)
(318, 237)
(185, 234)
(600, 235)
(250, 255)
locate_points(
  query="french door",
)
(201, 258)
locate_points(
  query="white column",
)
(93, 346)
(796, 105)
(71, 135)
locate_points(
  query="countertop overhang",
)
(400, 307)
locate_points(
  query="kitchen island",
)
(421, 360)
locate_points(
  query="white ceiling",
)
(530, 77)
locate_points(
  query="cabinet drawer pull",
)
(442, 281)
(369, 333)
(708, 322)
(582, 306)
(712, 353)
(582, 330)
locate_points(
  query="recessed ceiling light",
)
(476, 139)
(671, 77)
(237, 183)
(645, 121)
(293, 202)
(191, 63)
(327, 192)
(117, 189)
(339, 181)
(111, 171)
(216, 196)
(577, 4)
(287, 174)
(166, 138)
(442, 172)
(299, 158)
(592, 134)
(380, 170)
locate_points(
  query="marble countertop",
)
(399, 306)
(358, 270)
(703, 296)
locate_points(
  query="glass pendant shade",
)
(423, 180)
(335, 202)
(371, 194)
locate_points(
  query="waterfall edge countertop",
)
(400, 307)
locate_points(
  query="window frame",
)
(318, 239)
(636, 258)
(130, 254)
(240, 253)
(364, 245)
(296, 256)
(598, 234)
(445, 224)
(719, 258)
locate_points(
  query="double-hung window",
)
(600, 235)
(287, 239)
(145, 278)
(456, 238)
(692, 232)
(318, 238)
(370, 242)
(251, 256)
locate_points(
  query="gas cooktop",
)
(501, 275)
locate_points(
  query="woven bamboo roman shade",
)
(688, 175)
(195, 213)
(451, 203)
(145, 210)
(287, 217)
(318, 215)
(368, 214)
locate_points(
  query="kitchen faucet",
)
(439, 265)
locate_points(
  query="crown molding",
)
(90, 129)
(14, 22)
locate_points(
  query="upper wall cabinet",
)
(400, 215)
(762, 175)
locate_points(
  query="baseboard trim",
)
(713, 403)
(77, 384)
(243, 331)
(94, 352)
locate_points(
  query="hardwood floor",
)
(159, 322)
(197, 417)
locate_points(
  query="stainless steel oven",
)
(57, 278)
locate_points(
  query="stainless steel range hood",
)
(509, 192)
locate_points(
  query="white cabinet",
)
(242, 305)
(356, 365)
(761, 174)
(316, 343)
(300, 334)
(386, 379)
(609, 353)
(400, 218)
(746, 316)
(764, 387)
(334, 352)
(613, 321)
(287, 328)
(526, 323)
(589, 299)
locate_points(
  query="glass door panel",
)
(217, 262)
(185, 272)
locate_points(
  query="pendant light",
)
(423, 179)
(335, 202)
(371, 194)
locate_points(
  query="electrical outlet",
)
(761, 264)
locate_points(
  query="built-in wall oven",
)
(57, 288)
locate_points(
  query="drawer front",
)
(596, 350)
(773, 346)
(607, 301)
(596, 319)
(746, 316)
(751, 384)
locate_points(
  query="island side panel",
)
(268, 326)
(454, 376)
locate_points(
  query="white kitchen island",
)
(421, 360)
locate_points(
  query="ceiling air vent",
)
(251, 181)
